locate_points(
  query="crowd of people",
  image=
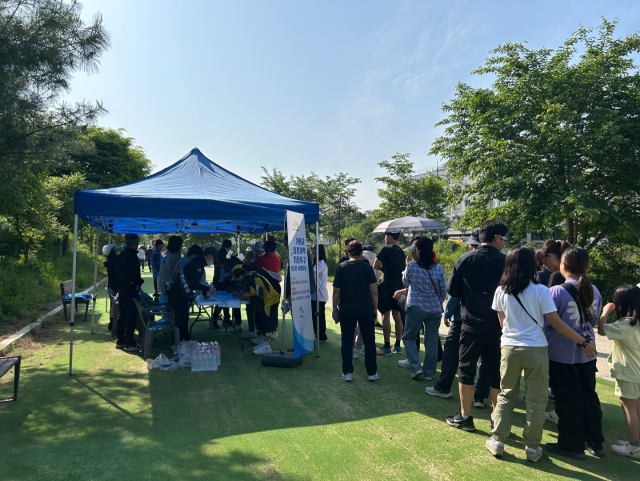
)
(521, 314)
(179, 277)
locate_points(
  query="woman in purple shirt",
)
(572, 374)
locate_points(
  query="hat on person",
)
(248, 249)
(259, 246)
(411, 248)
(106, 250)
(159, 242)
(473, 239)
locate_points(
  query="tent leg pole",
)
(317, 290)
(95, 280)
(73, 293)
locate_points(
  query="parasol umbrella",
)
(410, 224)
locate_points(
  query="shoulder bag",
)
(435, 289)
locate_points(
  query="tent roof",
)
(193, 195)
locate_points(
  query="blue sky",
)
(324, 86)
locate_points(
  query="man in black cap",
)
(154, 264)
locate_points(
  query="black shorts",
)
(479, 338)
(386, 302)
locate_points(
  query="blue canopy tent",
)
(194, 195)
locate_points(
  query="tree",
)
(296, 187)
(556, 138)
(113, 159)
(42, 43)
(336, 193)
(62, 188)
(32, 213)
(405, 194)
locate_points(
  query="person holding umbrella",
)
(390, 260)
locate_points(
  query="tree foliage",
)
(556, 138)
(337, 206)
(333, 193)
(112, 159)
(405, 194)
(42, 43)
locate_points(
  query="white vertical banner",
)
(299, 269)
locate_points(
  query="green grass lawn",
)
(116, 420)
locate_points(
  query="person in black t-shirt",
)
(355, 291)
(345, 256)
(390, 260)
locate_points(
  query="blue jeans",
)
(416, 317)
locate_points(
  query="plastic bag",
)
(183, 352)
(162, 362)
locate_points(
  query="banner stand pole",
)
(317, 289)
(73, 293)
(284, 316)
(95, 279)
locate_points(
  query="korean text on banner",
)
(299, 269)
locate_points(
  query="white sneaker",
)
(495, 447)
(552, 417)
(355, 354)
(362, 351)
(404, 363)
(262, 348)
(257, 340)
(249, 335)
(533, 455)
(274, 335)
(347, 377)
(375, 377)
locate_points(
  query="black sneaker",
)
(120, 346)
(459, 422)
(554, 448)
(215, 325)
(132, 348)
(595, 449)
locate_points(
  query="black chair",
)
(66, 289)
(149, 326)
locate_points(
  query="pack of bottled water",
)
(206, 357)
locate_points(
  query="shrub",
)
(448, 253)
(28, 287)
(612, 265)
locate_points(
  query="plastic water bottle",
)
(218, 352)
(194, 360)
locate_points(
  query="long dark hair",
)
(627, 301)
(519, 270)
(174, 244)
(320, 254)
(576, 261)
(427, 256)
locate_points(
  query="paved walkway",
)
(604, 345)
